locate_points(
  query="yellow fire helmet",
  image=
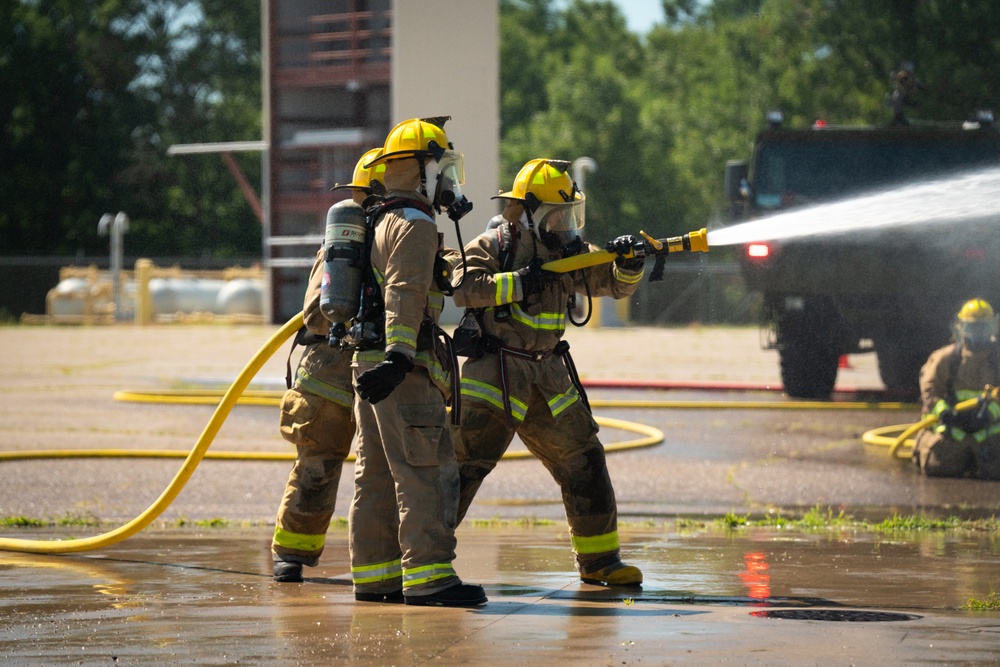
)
(976, 324)
(368, 178)
(976, 310)
(552, 199)
(415, 137)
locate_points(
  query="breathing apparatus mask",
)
(444, 176)
(558, 226)
(976, 335)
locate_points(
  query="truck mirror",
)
(736, 176)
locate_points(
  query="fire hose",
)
(901, 446)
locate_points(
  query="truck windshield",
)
(804, 169)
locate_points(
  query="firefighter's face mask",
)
(445, 177)
(560, 226)
(977, 335)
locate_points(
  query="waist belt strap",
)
(561, 349)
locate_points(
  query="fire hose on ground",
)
(238, 393)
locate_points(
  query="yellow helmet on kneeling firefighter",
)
(976, 325)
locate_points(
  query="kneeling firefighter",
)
(519, 378)
(965, 442)
(317, 412)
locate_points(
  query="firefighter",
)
(317, 417)
(965, 442)
(402, 520)
(524, 381)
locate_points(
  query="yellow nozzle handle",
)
(579, 261)
(690, 242)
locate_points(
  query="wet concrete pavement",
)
(189, 595)
(838, 598)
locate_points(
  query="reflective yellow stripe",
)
(298, 541)
(626, 278)
(560, 402)
(372, 356)
(367, 574)
(425, 573)
(541, 322)
(435, 301)
(493, 396)
(433, 366)
(400, 334)
(595, 545)
(505, 288)
(327, 391)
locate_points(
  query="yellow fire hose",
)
(183, 475)
(237, 393)
(901, 446)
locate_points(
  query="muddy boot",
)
(614, 574)
(287, 572)
(459, 595)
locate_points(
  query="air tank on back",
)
(343, 262)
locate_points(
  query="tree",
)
(94, 93)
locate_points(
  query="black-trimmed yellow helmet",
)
(367, 177)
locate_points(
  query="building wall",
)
(446, 62)
(340, 74)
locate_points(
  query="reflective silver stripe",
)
(505, 287)
(541, 322)
(400, 334)
(626, 278)
(327, 391)
(560, 402)
(426, 573)
(492, 395)
(367, 574)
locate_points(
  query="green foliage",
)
(99, 89)
(989, 603)
(21, 522)
(95, 91)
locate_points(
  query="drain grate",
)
(842, 615)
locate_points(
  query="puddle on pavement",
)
(157, 591)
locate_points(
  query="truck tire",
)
(808, 369)
(899, 364)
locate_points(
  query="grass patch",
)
(989, 603)
(523, 522)
(22, 522)
(819, 518)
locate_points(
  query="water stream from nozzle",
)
(966, 197)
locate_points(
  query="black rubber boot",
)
(287, 572)
(459, 595)
(393, 597)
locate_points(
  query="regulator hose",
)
(183, 475)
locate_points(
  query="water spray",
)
(696, 241)
(962, 198)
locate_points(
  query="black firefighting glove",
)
(376, 384)
(534, 278)
(630, 252)
(969, 421)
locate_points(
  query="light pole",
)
(581, 166)
(116, 227)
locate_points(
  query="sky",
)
(641, 14)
